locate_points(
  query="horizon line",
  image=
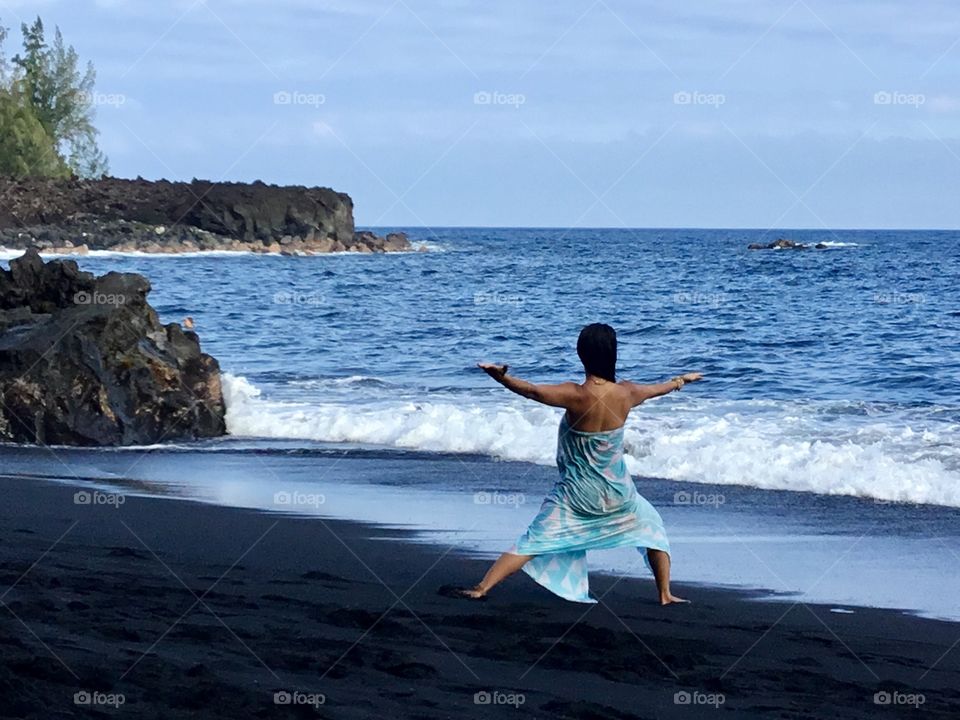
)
(663, 227)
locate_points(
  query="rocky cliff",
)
(115, 214)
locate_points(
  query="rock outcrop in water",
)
(76, 215)
(84, 360)
(784, 244)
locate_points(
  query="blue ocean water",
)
(352, 378)
(834, 371)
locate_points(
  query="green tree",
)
(49, 78)
(4, 69)
(25, 147)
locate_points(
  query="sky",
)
(567, 113)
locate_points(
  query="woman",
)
(594, 504)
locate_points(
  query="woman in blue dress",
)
(594, 503)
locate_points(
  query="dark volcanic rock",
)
(367, 241)
(783, 244)
(164, 216)
(84, 360)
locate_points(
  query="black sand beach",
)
(180, 610)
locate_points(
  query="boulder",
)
(366, 241)
(780, 244)
(322, 245)
(84, 360)
(396, 242)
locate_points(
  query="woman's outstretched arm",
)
(563, 395)
(640, 393)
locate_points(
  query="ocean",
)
(825, 436)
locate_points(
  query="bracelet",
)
(680, 382)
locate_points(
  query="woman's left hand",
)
(692, 377)
(497, 372)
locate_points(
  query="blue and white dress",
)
(594, 505)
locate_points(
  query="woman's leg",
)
(660, 563)
(506, 565)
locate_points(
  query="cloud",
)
(944, 104)
(600, 83)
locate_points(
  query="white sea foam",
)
(339, 382)
(428, 245)
(505, 432)
(10, 254)
(881, 463)
(763, 444)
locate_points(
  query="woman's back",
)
(602, 405)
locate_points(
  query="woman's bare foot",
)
(462, 593)
(475, 592)
(670, 599)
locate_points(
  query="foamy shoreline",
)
(73, 254)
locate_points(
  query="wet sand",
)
(178, 609)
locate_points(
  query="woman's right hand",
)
(692, 377)
(497, 372)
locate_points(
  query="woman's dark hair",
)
(597, 348)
